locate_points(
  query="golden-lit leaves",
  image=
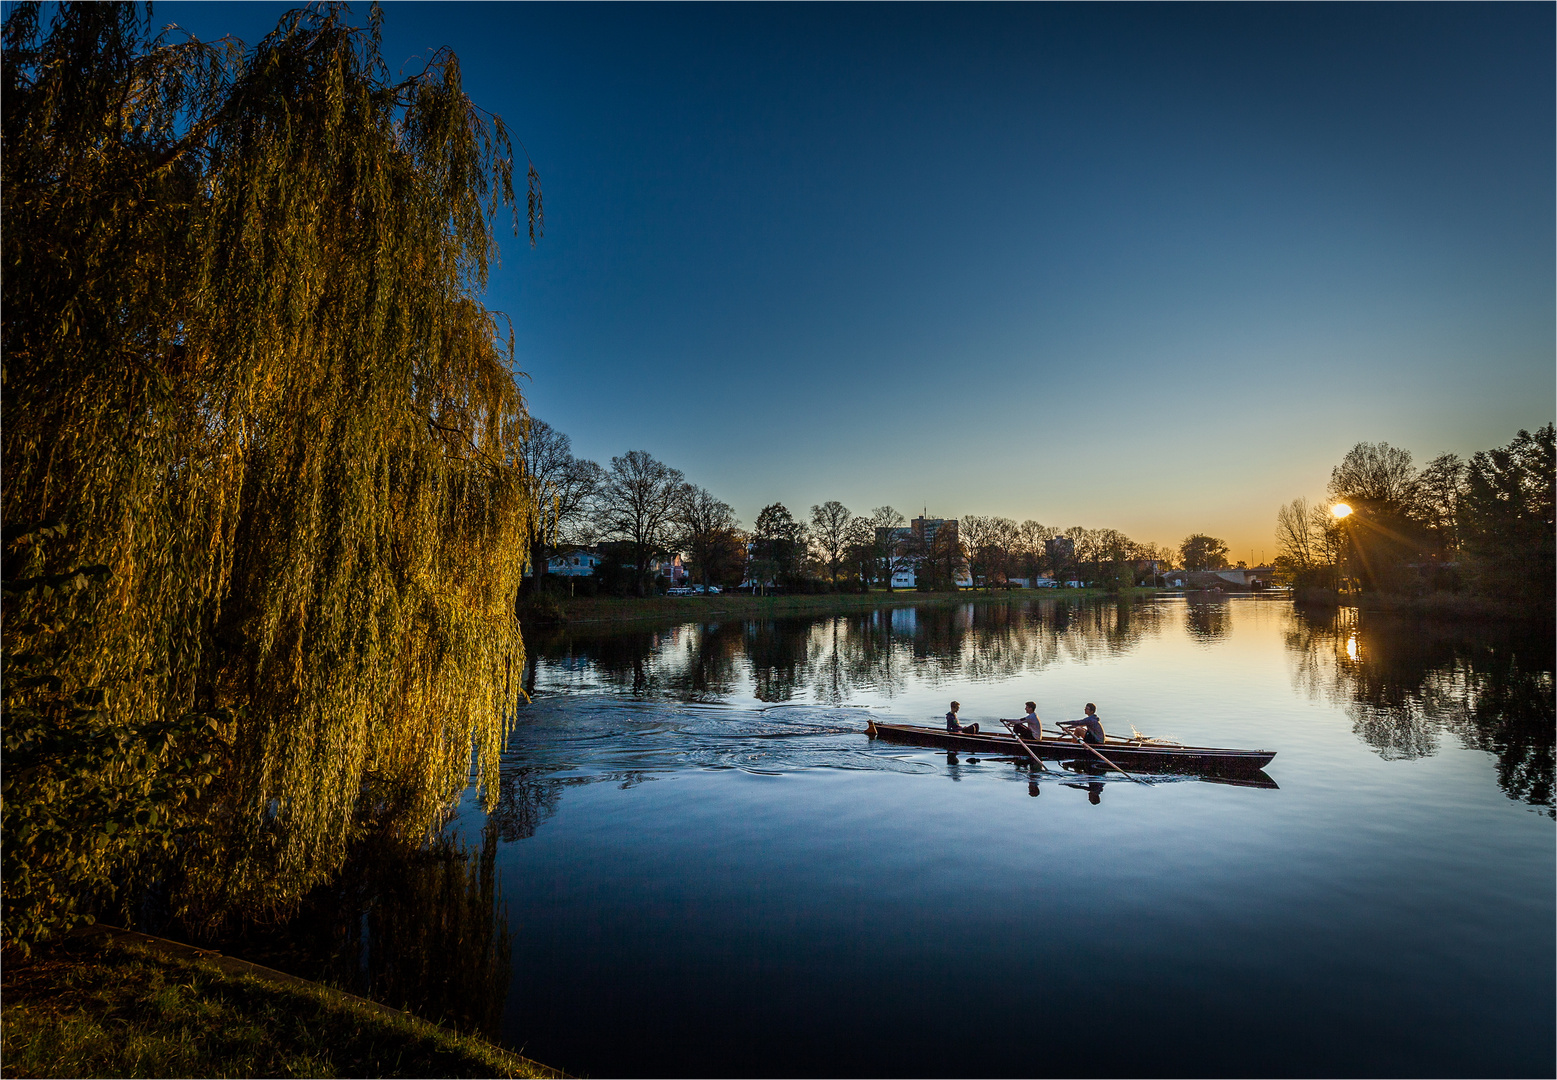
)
(245, 364)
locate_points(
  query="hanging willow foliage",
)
(248, 385)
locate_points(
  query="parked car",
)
(713, 590)
(679, 590)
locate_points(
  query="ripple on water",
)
(596, 735)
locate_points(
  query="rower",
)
(954, 726)
(1090, 727)
(1029, 725)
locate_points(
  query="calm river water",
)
(700, 864)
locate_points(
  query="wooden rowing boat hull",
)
(1196, 759)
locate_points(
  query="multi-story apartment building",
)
(926, 529)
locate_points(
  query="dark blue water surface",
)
(707, 868)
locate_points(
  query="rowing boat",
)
(1148, 755)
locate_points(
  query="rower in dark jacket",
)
(953, 725)
(1089, 726)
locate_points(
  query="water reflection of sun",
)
(1351, 647)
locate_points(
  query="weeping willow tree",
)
(263, 525)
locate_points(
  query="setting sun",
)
(1341, 510)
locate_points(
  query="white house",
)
(576, 564)
(905, 577)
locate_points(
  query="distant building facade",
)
(1252, 578)
(669, 568)
(926, 529)
(580, 563)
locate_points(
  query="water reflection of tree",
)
(1208, 621)
(830, 659)
(526, 798)
(779, 653)
(529, 797)
(1407, 683)
(876, 654)
(712, 661)
(421, 930)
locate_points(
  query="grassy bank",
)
(591, 609)
(1441, 606)
(83, 1007)
(1460, 607)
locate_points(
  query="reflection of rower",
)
(1089, 727)
(1094, 791)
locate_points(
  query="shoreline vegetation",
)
(1448, 607)
(597, 609)
(90, 1004)
(558, 613)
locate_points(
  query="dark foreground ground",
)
(90, 1007)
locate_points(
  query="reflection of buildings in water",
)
(1406, 683)
(833, 657)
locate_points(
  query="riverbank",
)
(95, 1006)
(1441, 606)
(597, 609)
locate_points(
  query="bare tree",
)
(1154, 553)
(1085, 549)
(1031, 555)
(1377, 474)
(1438, 490)
(1386, 533)
(989, 541)
(636, 504)
(944, 557)
(1116, 556)
(778, 546)
(705, 525)
(833, 530)
(892, 542)
(1297, 540)
(563, 487)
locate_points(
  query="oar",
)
(1110, 764)
(1024, 746)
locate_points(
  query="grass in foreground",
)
(86, 1009)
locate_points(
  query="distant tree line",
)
(1482, 527)
(638, 511)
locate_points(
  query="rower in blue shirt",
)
(1090, 728)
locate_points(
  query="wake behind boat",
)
(1146, 755)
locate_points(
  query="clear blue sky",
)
(1153, 268)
